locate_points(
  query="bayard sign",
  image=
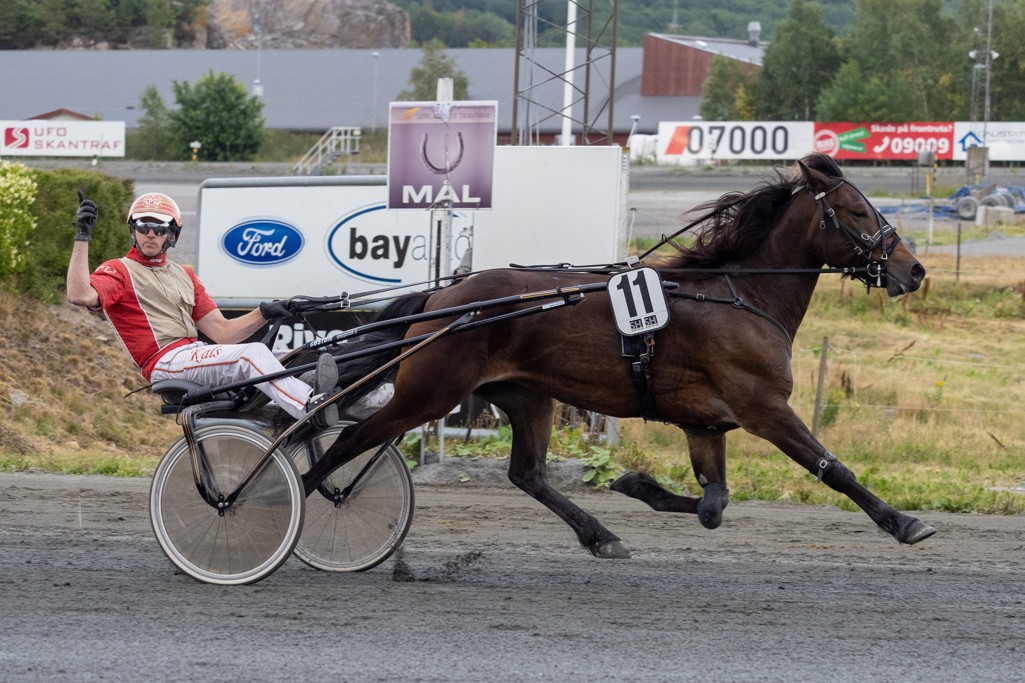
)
(441, 154)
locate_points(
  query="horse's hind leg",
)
(530, 415)
(708, 458)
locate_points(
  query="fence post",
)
(819, 388)
(957, 268)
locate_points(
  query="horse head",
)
(854, 234)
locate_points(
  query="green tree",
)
(154, 138)
(20, 24)
(853, 96)
(1008, 77)
(52, 21)
(219, 113)
(435, 64)
(460, 28)
(905, 47)
(17, 192)
(797, 65)
(91, 18)
(726, 91)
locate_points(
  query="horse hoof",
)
(915, 532)
(711, 505)
(710, 519)
(616, 550)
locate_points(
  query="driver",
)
(158, 307)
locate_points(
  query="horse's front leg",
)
(786, 431)
(708, 458)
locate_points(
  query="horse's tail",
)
(354, 370)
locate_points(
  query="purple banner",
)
(441, 154)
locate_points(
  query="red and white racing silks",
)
(154, 305)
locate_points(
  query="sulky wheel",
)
(361, 513)
(254, 535)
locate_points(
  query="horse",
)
(738, 295)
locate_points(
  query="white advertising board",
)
(1006, 140)
(554, 205)
(690, 142)
(48, 138)
(272, 238)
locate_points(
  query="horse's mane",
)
(739, 222)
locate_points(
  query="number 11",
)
(642, 285)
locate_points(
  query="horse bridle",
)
(863, 244)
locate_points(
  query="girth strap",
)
(642, 349)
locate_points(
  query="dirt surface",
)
(495, 587)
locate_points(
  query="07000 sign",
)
(734, 139)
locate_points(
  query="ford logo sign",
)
(262, 242)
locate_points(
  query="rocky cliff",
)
(284, 24)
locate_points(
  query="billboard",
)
(892, 141)
(1006, 141)
(52, 138)
(692, 141)
(441, 154)
(272, 238)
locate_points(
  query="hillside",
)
(271, 24)
(63, 381)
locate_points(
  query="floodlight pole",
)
(567, 86)
(989, 65)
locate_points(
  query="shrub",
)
(17, 193)
(49, 242)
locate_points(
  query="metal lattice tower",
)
(580, 90)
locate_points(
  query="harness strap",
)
(737, 302)
(642, 349)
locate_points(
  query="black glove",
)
(276, 310)
(85, 221)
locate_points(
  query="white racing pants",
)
(218, 364)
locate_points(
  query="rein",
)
(863, 244)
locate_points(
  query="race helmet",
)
(159, 209)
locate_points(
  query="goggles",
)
(146, 227)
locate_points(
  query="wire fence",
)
(863, 359)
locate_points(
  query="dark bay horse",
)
(722, 362)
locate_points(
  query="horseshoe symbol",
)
(436, 170)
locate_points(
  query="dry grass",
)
(63, 381)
